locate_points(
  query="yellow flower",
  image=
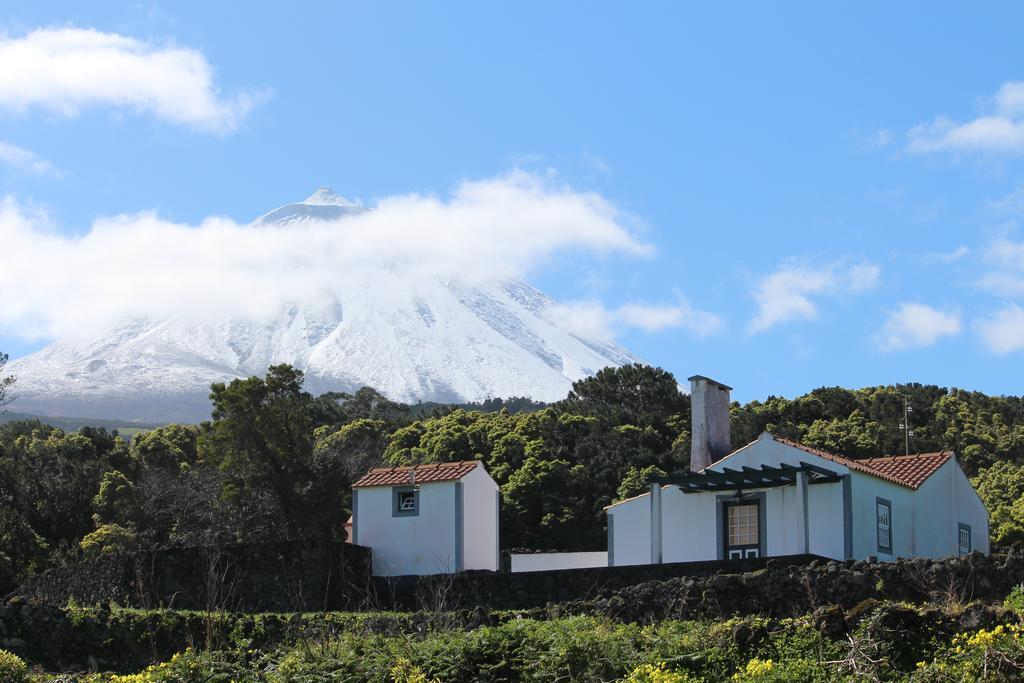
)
(756, 668)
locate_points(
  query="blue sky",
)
(831, 195)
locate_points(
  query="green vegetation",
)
(12, 668)
(276, 462)
(881, 642)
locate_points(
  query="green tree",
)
(341, 456)
(173, 446)
(115, 502)
(108, 538)
(1001, 488)
(5, 382)
(636, 394)
(22, 550)
(635, 481)
(261, 436)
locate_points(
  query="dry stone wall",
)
(287, 577)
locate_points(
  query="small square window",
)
(405, 501)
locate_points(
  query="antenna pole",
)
(906, 424)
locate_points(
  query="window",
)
(405, 501)
(743, 531)
(883, 516)
(964, 539)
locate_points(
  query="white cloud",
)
(788, 293)
(913, 325)
(1003, 331)
(947, 256)
(52, 284)
(26, 160)
(879, 139)
(67, 69)
(593, 319)
(1000, 131)
(1013, 203)
(1007, 277)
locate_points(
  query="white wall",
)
(537, 562)
(422, 544)
(865, 490)
(688, 529)
(972, 510)
(630, 537)
(690, 520)
(825, 520)
(925, 523)
(480, 521)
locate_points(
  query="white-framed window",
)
(743, 524)
(964, 539)
(883, 520)
(405, 501)
(743, 530)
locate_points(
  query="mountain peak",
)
(325, 196)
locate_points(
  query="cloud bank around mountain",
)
(54, 284)
(66, 70)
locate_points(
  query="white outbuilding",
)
(438, 518)
(777, 497)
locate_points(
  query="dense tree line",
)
(276, 462)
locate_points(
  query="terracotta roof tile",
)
(906, 470)
(910, 470)
(419, 474)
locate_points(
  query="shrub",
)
(108, 538)
(657, 673)
(995, 654)
(1015, 600)
(12, 669)
(188, 666)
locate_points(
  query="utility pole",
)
(905, 425)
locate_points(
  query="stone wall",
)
(780, 586)
(286, 576)
(525, 590)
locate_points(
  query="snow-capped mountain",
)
(425, 338)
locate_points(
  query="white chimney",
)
(709, 435)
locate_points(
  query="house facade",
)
(779, 497)
(437, 518)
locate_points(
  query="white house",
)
(427, 519)
(779, 497)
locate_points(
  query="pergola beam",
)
(765, 476)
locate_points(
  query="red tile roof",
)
(906, 470)
(909, 470)
(416, 474)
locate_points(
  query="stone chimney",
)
(709, 435)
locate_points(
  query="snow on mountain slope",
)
(418, 338)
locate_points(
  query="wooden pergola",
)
(765, 476)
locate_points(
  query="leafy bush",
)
(995, 654)
(657, 673)
(12, 669)
(107, 538)
(184, 667)
(1015, 600)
